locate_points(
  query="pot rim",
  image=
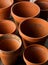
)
(24, 2)
(8, 6)
(9, 21)
(36, 45)
(28, 37)
(12, 36)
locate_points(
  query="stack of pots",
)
(32, 29)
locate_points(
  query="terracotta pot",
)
(44, 9)
(33, 30)
(7, 26)
(23, 10)
(5, 7)
(35, 55)
(10, 48)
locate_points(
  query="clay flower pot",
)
(33, 30)
(10, 48)
(44, 9)
(5, 7)
(7, 26)
(23, 10)
(35, 55)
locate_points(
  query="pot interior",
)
(35, 54)
(34, 28)
(5, 3)
(7, 26)
(26, 9)
(9, 45)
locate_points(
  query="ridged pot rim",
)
(24, 2)
(14, 37)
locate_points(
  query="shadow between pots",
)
(15, 1)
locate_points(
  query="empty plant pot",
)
(33, 30)
(7, 26)
(35, 55)
(10, 48)
(5, 7)
(23, 10)
(44, 9)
